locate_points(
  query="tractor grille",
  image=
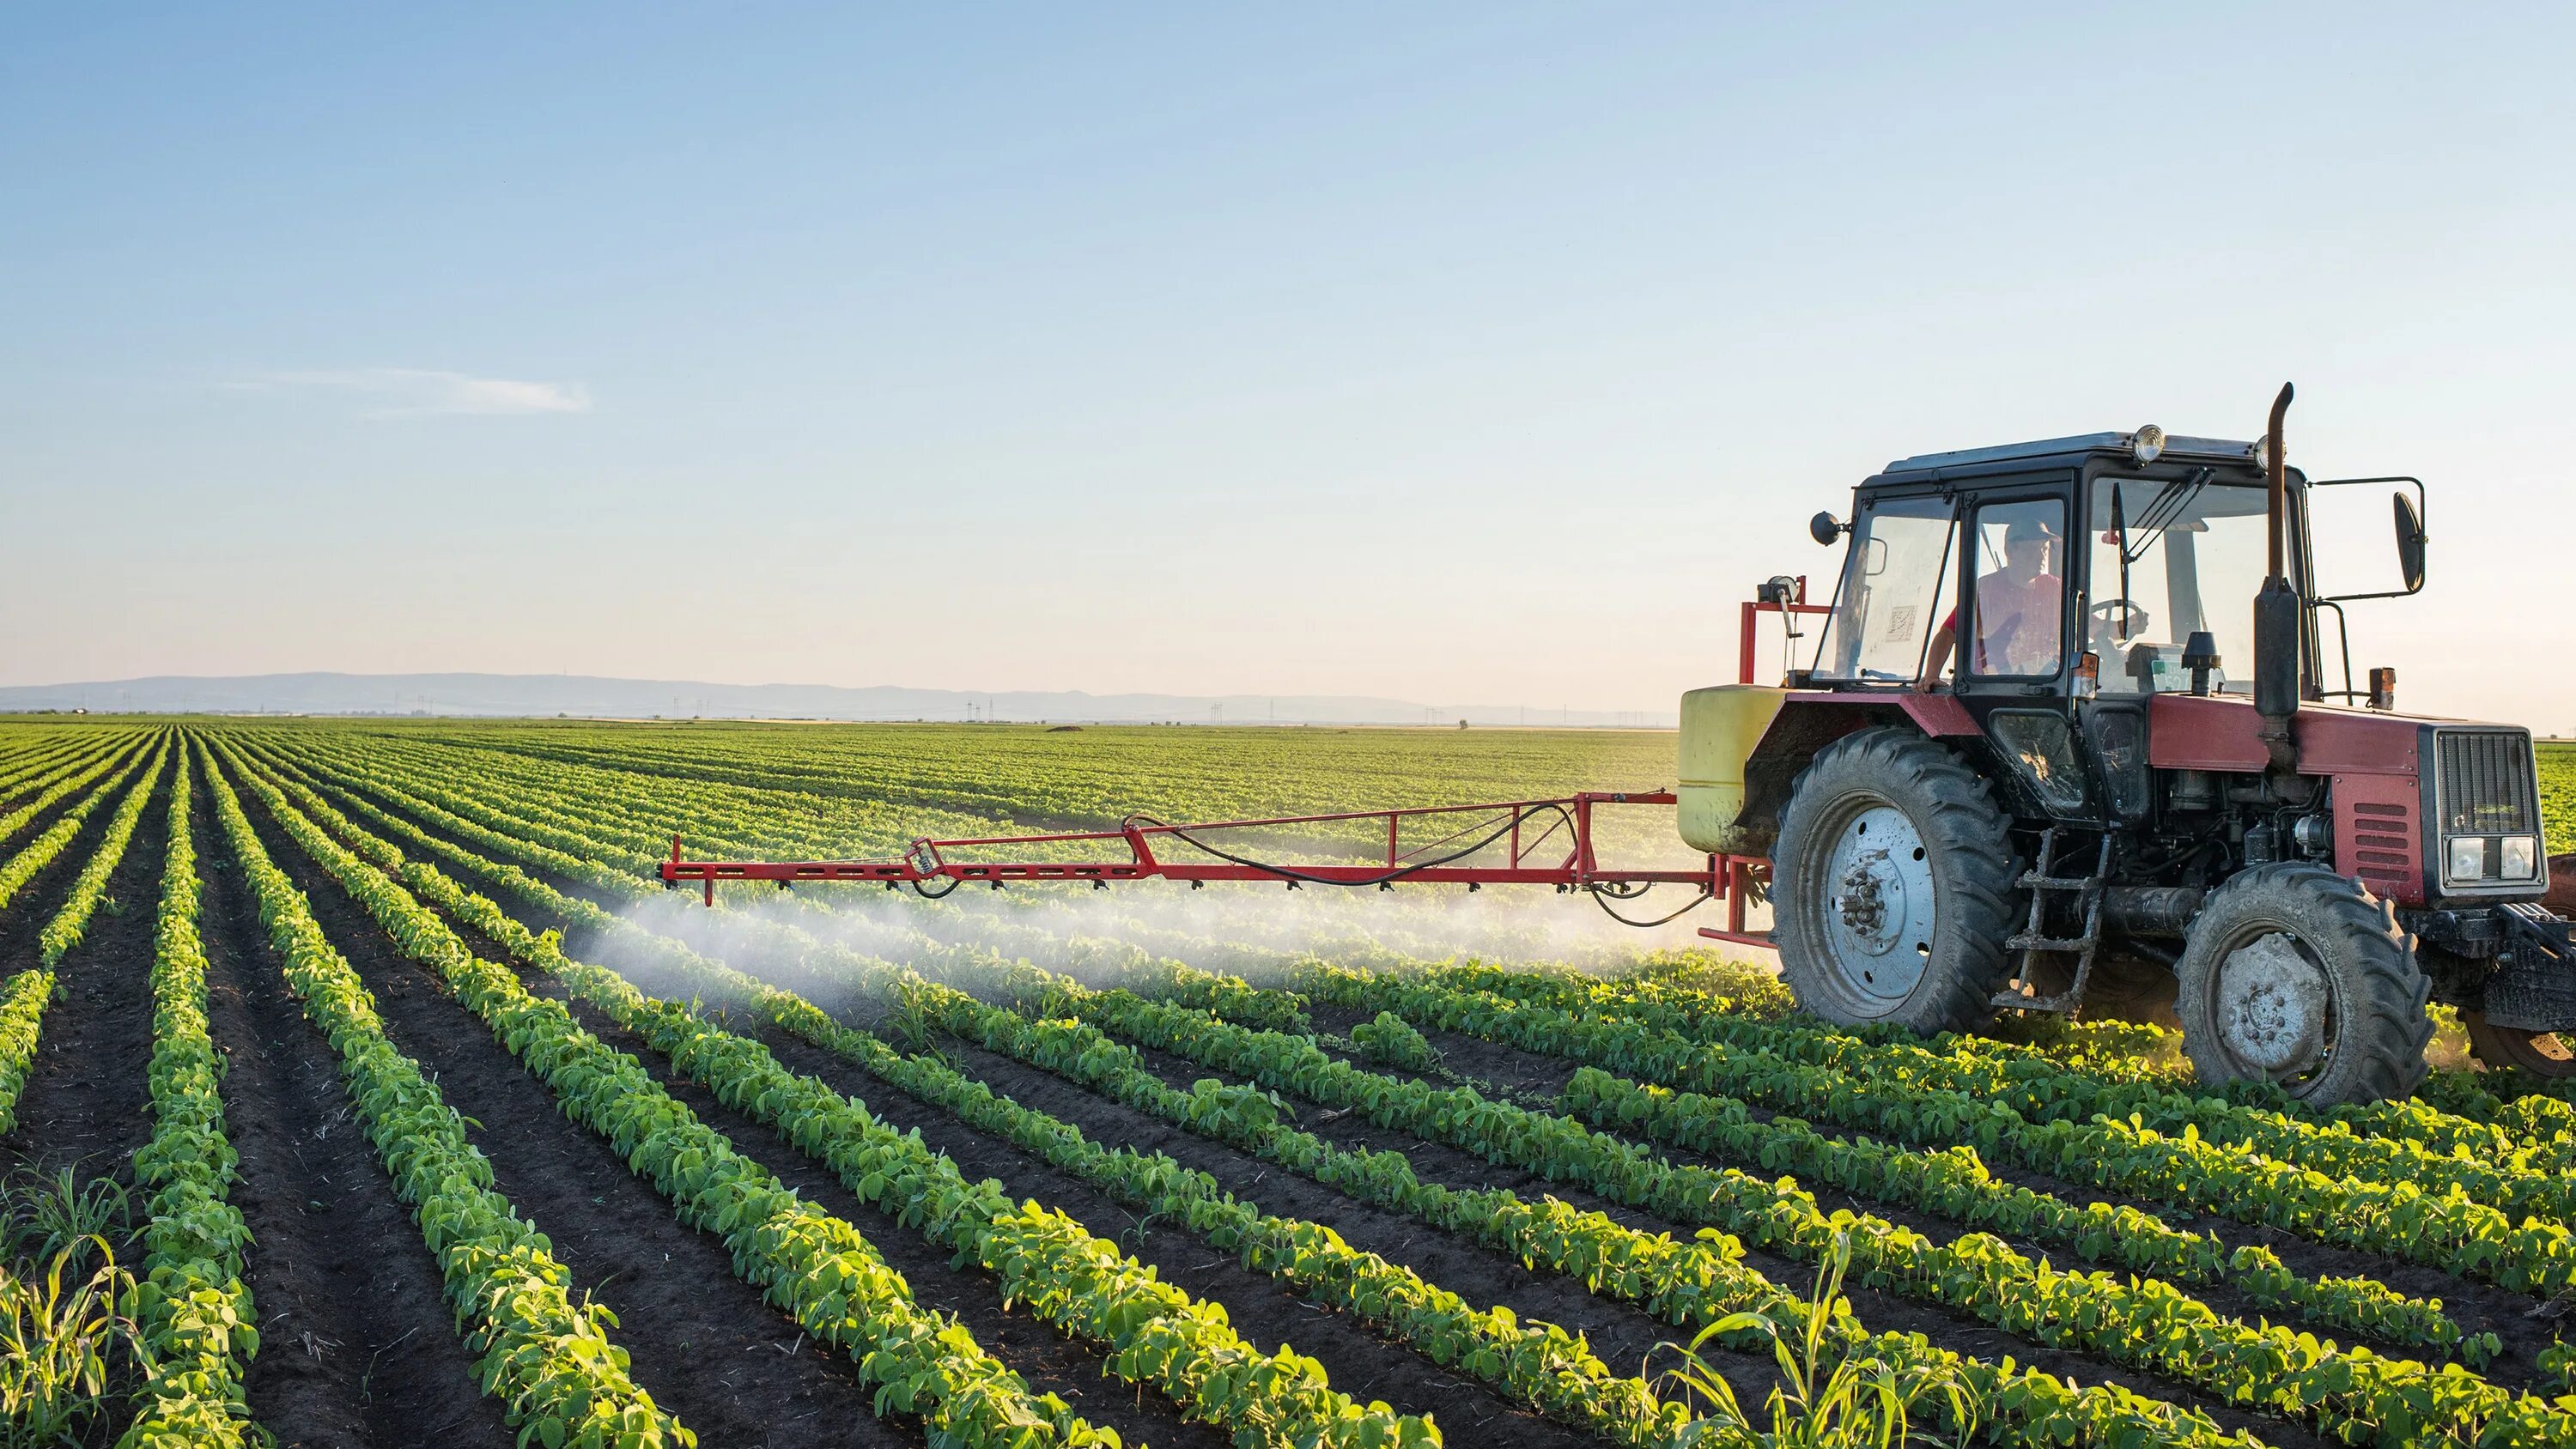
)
(2485, 785)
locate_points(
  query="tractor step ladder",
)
(2033, 942)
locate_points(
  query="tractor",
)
(2044, 755)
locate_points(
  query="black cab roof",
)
(1933, 466)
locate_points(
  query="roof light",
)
(2147, 444)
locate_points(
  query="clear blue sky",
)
(1477, 353)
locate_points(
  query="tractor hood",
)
(2223, 732)
(2426, 811)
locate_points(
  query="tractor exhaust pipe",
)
(2276, 608)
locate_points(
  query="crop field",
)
(360, 1085)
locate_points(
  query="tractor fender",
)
(1809, 720)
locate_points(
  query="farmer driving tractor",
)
(2018, 602)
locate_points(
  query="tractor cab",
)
(2051, 589)
(2068, 730)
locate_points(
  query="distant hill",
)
(588, 696)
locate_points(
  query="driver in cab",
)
(2019, 608)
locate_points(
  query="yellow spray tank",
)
(1720, 727)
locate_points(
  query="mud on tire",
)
(2376, 1027)
(1912, 936)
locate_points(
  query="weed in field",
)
(42, 1216)
(67, 1310)
(1826, 1398)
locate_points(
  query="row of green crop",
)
(2399, 1372)
(2357, 1305)
(1697, 1282)
(1954, 1183)
(2350, 1393)
(42, 851)
(2399, 1140)
(1884, 1096)
(440, 805)
(1099, 774)
(1539, 1363)
(195, 1312)
(585, 825)
(550, 1362)
(24, 997)
(1153, 1332)
(90, 767)
(2124, 1236)
(2127, 1237)
(71, 919)
(59, 755)
(829, 825)
(1544, 1365)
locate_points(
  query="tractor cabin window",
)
(1890, 594)
(2020, 588)
(2171, 558)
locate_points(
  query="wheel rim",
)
(1877, 908)
(2274, 1011)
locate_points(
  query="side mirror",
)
(1824, 530)
(2410, 543)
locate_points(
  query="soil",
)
(357, 1344)
(1538, 1080)
(1622, 1334)
(88, 1098)
(703, 1342)
(1881, 1311)
(1262, 1310)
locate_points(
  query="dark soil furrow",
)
(703, 1342)
(1881, 1311)
(2477, 1307)
(1622, 1334)
(1263, 1310)
(88, 1097)
(357, 1344)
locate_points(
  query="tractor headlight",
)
(2521, 854)
(2468, 857)
(2147, 444)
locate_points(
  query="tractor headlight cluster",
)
(2475, 858)
(2521, 855)
(2468, 857)
(2147, 444)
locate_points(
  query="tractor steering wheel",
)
(2123, 611)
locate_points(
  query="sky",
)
(1477, 353)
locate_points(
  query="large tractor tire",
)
(1892, 885)
(2541, 1053)
(2297, 976)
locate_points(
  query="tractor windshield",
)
(2171, 557)
(1891, 592)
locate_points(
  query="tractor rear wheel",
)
(1891, 883)
(2297, 976)
(2541, 1053)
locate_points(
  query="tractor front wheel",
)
(2541, 1053)
(1890, 885)
(2297, 976)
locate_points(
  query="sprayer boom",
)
(1516, 842)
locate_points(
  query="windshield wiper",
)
(2160, 513)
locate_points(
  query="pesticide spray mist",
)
(1253, 931)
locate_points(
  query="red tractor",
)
(2044, 756)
